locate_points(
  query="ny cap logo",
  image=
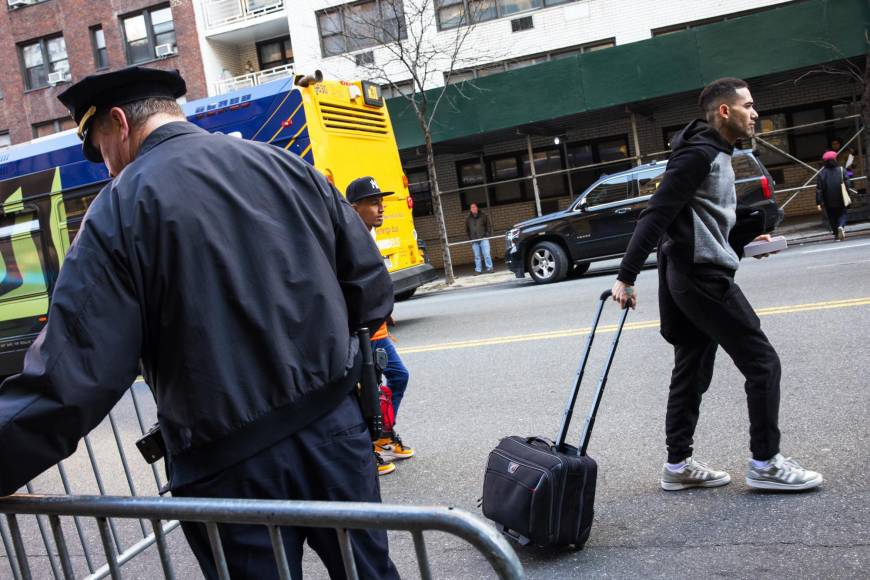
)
(374, 184)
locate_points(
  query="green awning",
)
(792, 36)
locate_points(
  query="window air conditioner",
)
(57, 77)
(162, 50)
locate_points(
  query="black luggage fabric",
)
(541, 491)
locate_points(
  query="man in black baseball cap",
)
(89, 99)
(366, 197)
(368, 200)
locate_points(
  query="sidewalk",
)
(802, 230)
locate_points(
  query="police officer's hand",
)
(624, 294)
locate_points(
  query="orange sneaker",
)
(392, 448)
(384, 467)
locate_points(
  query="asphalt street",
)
(499, 360)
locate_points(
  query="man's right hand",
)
(624, 294)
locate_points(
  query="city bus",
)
(341, 128)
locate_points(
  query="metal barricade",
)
(272, 514)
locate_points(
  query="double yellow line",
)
(851, 303)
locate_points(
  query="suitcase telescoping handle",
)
(599, 391)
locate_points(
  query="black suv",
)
(599, 223)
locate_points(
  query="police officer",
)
(237, 274)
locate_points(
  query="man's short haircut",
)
(720, 90)
(138, 112)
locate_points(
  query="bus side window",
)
(21, 258)
(76, 207)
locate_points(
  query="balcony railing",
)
(253, 79)
(225, 12)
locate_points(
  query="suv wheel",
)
(547, 263)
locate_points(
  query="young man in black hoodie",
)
(690, 218)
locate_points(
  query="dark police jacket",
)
(236, 273)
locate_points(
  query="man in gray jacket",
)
(690, 218)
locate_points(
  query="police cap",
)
(364, 187)
(96, 93)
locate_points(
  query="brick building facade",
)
(129, 30)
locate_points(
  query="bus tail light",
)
(405, 180)
(765, 187)
(410, 202)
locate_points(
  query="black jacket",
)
(828, 190)
(235, 272)
(686, 213)
(478, 227)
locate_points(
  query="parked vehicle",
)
(599, 223)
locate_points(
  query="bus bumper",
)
(410, 278)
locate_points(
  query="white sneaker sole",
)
(774, 486)
(389, 455)
(677, 485)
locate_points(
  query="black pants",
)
(836, 217)
(331, 459)
(702, 309)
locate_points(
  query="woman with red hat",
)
(832, 192)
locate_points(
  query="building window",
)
(274, 53)
(397, 89)
(454, 13)
(41, 58)
(670, 29)
(505, 169)
(471, 178)
(488, 69)
(421, 190)
(5, 139)
(594, 152)
(98, 42)
(547, 161)
(51, 127)
(149, 34)
(360, 25)
(808, 143)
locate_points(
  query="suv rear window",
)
(745, 166)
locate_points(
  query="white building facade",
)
(245, 42)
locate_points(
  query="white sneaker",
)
(782, 474)
(693, 474)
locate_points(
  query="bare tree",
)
(414, 57)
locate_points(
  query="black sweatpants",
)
(701, 309)
(330, 459)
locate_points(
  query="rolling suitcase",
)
(543, 492)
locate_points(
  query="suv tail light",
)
(765, 187)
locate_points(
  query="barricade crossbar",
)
(272, 514)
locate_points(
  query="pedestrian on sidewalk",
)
(368, 200)
(689, 218)
(831, 194)
(479, 227)
(207, 274)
